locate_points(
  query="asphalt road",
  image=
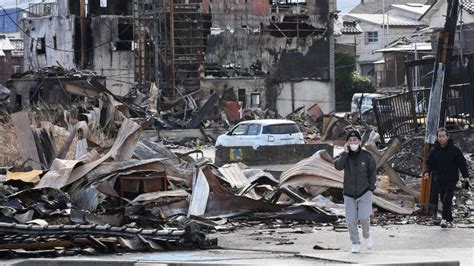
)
(258, 244)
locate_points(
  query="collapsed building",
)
(275, 55)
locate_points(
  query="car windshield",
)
(240, 129)
(280, 129)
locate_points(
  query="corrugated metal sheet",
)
(234, 175)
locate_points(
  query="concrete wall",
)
(61, 28)
(104, 58)
(245, 33)
(291, 94)
(291, 57)
(305, 93)
(5, 66)
(352, 40)
(264, 155)
(118, 66)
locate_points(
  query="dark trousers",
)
(445, 192)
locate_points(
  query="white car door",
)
(235, 136)
(251, 136)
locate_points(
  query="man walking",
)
(359, 183)
(445, 161)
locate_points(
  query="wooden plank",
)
(391, 173)
(390, 206)
(79, 90)
(394, 147)
(26, 141)
(45, 145)
(65, 148)
(205, 109)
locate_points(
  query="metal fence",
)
(406, 112)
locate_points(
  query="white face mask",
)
(354, 147)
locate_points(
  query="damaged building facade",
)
(288, 45)
(275, 55)
(101, 41)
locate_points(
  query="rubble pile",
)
(53, 71)
(409, 158)
(90, 190)
(135, 194)
(88, 180)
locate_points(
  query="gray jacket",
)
(360, 172)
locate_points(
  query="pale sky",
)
(346, 5)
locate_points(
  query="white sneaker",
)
(355, 248)
(368, 243)
(443, 223)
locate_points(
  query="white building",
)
(435, 17)
(378, 31)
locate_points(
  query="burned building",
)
(269, 54)
(275, 55)
(97, 36)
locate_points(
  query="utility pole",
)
(439, 90)
(416, 58)
(82, 13)
(173, 67)
(383, 24)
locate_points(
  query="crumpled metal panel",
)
(234, 175)
(160, 195)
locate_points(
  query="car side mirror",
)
(228, 133)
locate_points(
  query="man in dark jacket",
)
(445, 161)
(359, 183)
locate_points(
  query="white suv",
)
(263, 132)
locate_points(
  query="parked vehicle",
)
(362, 107)
(362, 102)
(263, 132)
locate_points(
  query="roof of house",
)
(351, 27)
(346, 27)
(389, 19)
(5, 44)
(466, 5)
(413, 8)
(421, 46)
(376, 7)
(2, 53)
